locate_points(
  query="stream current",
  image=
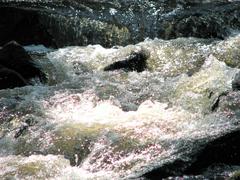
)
(87, 123)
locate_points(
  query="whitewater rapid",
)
(92, 124)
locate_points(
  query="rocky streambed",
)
(132, 90)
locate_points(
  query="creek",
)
(178, 117)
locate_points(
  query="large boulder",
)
(16, 67)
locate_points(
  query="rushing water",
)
(87, 123)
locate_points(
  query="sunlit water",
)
(90, 124)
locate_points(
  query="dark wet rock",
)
(222, 150)
(220, 171)
(215, 171)
(10, 78)
(23, 26)
(136, 61)
(17, 67)
(236, 82)
(121, 22)
(205, 153)
(208, 20)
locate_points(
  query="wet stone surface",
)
(62, 23)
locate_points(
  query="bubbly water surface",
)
(87, 123)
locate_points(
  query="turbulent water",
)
(112, 124)
(87, 123)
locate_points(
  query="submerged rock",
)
(32, 167)
(16, 67)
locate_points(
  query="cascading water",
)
(87, 123)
